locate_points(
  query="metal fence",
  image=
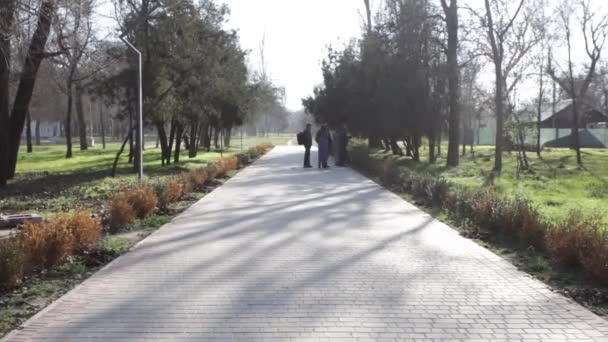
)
(487, 135)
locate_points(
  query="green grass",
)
(47, 182)
(555, 183)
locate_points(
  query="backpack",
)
(300, 138)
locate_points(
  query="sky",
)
(296, 35)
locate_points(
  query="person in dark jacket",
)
(307, 145)
(323, 139)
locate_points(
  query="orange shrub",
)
(186, 182)
(199, 177)
(561, 243)
(143, 200)
(85, 229)
(212, 171)
(12, 262)
(47, 243)
(121, 211)
(263, 148)
(169, 192)
(226, 165)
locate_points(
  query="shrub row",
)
(141, 200)
(578, 241)
(39, 246)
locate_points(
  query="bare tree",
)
(509, 39)
(595, 32)
(74, 29)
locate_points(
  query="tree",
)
(594, 33)
(74, 30)
(508, 41)
(451, 18)
(12, 125)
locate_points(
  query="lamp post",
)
(140, 130)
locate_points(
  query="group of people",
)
(325, 143)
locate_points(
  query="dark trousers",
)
(307, 156)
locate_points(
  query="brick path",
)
(287, 254)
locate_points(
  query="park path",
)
(283, 253)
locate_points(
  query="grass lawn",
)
(47, 183)
(555, 183)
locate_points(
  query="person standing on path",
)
(307, 137)
(323, 139)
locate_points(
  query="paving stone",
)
(280, 253)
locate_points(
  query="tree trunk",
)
(451, 12)
(165, 151)
(395, 147)
(178, 143)
(37, 130)
(122, 148)
(28, 132)
(7, 9)
(499, 102)
(539, 108)
(131, 142)
(415, 142)
(216, 137)
(27, 83)
(374, 142)
(82, 125)
(227, 136)
(172, 131)
(192, 143)
(206, 137)
(68, 123)
(102, 125)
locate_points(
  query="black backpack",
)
(300, 138)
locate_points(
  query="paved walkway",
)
(287, 254)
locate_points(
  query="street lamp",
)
(140, 130)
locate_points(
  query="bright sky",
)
(298, 32)
(296, 36)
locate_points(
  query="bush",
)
(226, 165)
(85, 229)
(211, 171)
(142, 199)
(253, 153)
(199, 177)
(562, 243)
(168, 192)
(580, 240)
(186, 184)
(243, 159)
(428, 188)
(47, 243)
(593, 250)
(121, 212)
(389, 172)
(360, 159)
(12, 263)
(263, 148)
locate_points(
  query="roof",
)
(562, 105)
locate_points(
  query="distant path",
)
(285, 253)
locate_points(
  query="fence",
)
(487, 136)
